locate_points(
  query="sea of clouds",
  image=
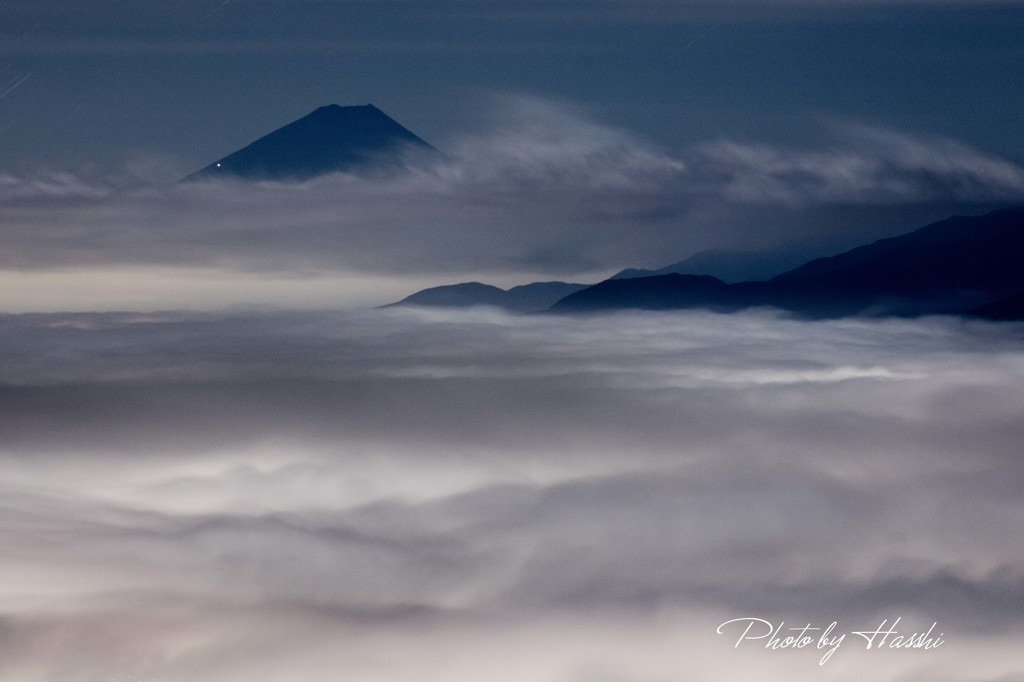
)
(414, 495)
(313, 491)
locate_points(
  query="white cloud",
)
(217, 497)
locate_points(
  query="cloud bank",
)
(407, 495)
(545, 191)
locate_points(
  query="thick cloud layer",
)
(409, 495)
(544, 193)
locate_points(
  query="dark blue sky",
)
(99, 82)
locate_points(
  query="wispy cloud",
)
(543, 189)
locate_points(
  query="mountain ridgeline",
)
(956, 266)
(360, 139)
(964, 265)
(528, 298)
(727, 265)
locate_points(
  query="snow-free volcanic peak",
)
(330, 139)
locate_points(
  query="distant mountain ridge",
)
(964, 265)
(1005, 309)
(725, 264)
(330, 139)
(527, 298)
(709, 262)
(955, 266)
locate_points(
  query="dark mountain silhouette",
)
(455, 296)
(948, 267)
(332, 138)
(1010, 308)
(725, 264)
(953, 266)
(527, 298)
(537, 296)
(662, 292)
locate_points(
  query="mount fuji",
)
(331, 139)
